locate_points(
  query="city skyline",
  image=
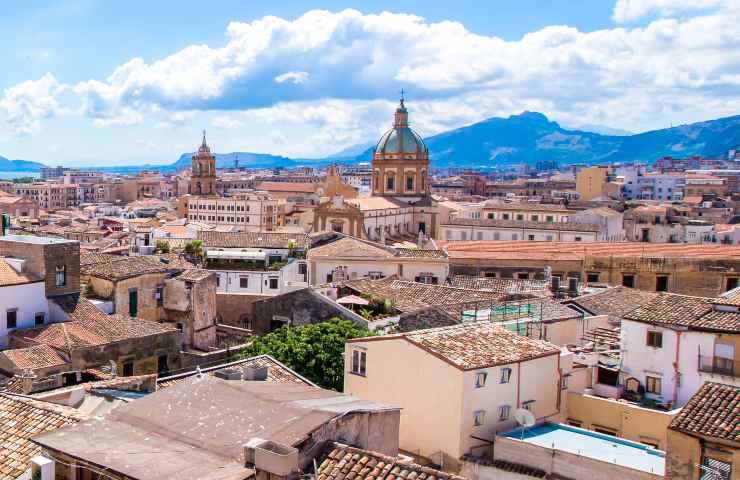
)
(307, 83)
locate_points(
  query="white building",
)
(245, 212)
(485, 229)
(349, 257)
(674, 343)
(23, 301)
(256, 263)
(610, 222)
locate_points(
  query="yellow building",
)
(595, 183)
(704, 439)
(457, 385)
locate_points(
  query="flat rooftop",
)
(593, 445)
(34, 239)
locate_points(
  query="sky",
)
(89, 82)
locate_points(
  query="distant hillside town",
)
(400, 316)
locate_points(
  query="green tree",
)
(314, 351)
(194, 249)
(163, 246)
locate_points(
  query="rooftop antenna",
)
(525, 418)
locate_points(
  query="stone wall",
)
(236, 309)
(42, 259)
(302, 307)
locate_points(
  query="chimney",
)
(272, 459)
(554, 284)
(27, 378)
(228, 374)
(42, 468)
(255, 373)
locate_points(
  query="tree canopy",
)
(314, 351)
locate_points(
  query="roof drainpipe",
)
(676, 373)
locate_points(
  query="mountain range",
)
(529, 137)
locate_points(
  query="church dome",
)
(401, 138)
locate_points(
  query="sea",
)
(18, 174)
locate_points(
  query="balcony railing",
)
(719, 365)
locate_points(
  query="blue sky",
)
(92, 82)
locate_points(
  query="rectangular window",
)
(605, 431)
(479, 418)
(535, 218)
(592, 277)
(505, 375)
(732, 284)
(61, 276)
(549, 218)
(480, 379)
(655, 339)
(39, 318)
(653, 385)
(661, 283)
(522, 276)
(519, 216)
(628, 281)
(243, 282)
(162, 364)
(503, 412)
(529, 405)
(390, 183)
(273, 283)
(491, 216)
(375, 275)
(359, 362)
(128, 369)
(531, 238)
(505, 216)
(409, 184)
(159, 295)
(11, 319)
(577, 239)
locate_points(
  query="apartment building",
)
(466, 380)
(243, 212)
(49, 196)
(541, 231)
(599, 182)
(703, 439)
(525, 211)
(350, 257)
(256, 263)
(674, 343)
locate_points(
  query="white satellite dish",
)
(524, 417)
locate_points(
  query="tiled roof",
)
(276, 371)
(615, 301)
(195, 275)
(500, 285)
(348, 246)
(134, 266)
(374, 203)
(577, 251)
(696, 313)
(473, 345)
(349, 463)
(9, 276)
(20, 419)
(729, 298)
(713, 411)
(560, 226)
(34, 358)
(87, 259)
(89, 327)
(252, 239)
(409, 296)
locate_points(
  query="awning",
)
(235, 255)
(352, 300)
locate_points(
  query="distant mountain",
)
(530, 138)
(246, 159)
(353, 150)
(18, 165)
(601, 129)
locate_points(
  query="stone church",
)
(400, 206)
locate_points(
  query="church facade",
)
(400, 206)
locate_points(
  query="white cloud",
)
(631, 10)
(27, 103)
(333, 76)
(226, 121)
(293, 77)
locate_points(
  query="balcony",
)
(719, 365)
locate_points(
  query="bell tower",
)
(203, 171)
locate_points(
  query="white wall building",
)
(675, 343)
(23, 301)
(485, 229)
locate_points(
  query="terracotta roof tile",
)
(20, 419)
(134, 266)
(343, 462)
(713, 411)
(34, 358)
(9, 276)
(500, 285)
(696, 313)
(616, 301)
(252, 239)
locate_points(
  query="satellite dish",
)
(524, 417)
